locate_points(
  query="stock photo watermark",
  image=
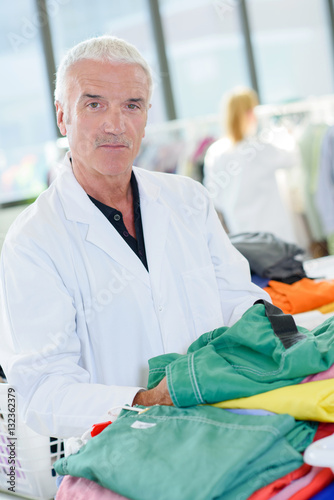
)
(11, 442)
(30, 26)
(118, 282)
(225, 7)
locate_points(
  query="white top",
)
(242, 183)
(80, 315)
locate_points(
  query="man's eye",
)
(93, 105)
(132, 106)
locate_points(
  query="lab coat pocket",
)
(203, 298)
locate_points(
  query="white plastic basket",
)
(33, 475)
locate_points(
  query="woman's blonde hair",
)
(235, 106)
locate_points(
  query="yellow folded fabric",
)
(328, 308)
(310, 401)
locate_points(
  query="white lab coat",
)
(242, 183)
(80, 314)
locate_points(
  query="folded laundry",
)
(269, 256)
(310, 401)
(262, 351)
(328, 308)
(281, 484)
(301, 296)
(80, 488)
(325, 494)
(321, 375)
(305, 487)
(236, 454)
(199, 453)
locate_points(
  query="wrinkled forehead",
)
(106, 76)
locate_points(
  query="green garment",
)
(330, 243)
(310, 149)
(196, 453)
(245, 359)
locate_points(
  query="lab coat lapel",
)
(79, 208)
(102, 234)
(155, 219)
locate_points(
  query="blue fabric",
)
(259, 281)
(59, 480)
(326, 494)
(250, 411)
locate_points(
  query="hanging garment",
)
(304, 295)
(310, 149)
(263, 351)
(146, 456)
(269, 256)
(324, 195)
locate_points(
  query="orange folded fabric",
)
(301, 296)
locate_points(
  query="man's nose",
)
(114, 122)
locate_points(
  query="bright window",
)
(205, 49)
(292, 48)
(78, 20)
(26, 123)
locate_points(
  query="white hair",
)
(103, 48)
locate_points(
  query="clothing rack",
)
(321, 108)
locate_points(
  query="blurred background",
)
(198, 49)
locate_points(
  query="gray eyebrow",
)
(97, 96)
(91, 96)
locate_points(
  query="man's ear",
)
(60, 118)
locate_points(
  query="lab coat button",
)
(160, 308)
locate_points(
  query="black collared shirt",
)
(116, 218)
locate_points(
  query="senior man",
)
(112, 264)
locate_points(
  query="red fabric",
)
(273, 488)
(324, 429)
(321, 480)
(97, 428)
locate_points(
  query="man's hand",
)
(159, 395)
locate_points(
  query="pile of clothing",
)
(248, 400)
(276, 267)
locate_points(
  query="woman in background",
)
(240, 173)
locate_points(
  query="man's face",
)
(105, 116)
